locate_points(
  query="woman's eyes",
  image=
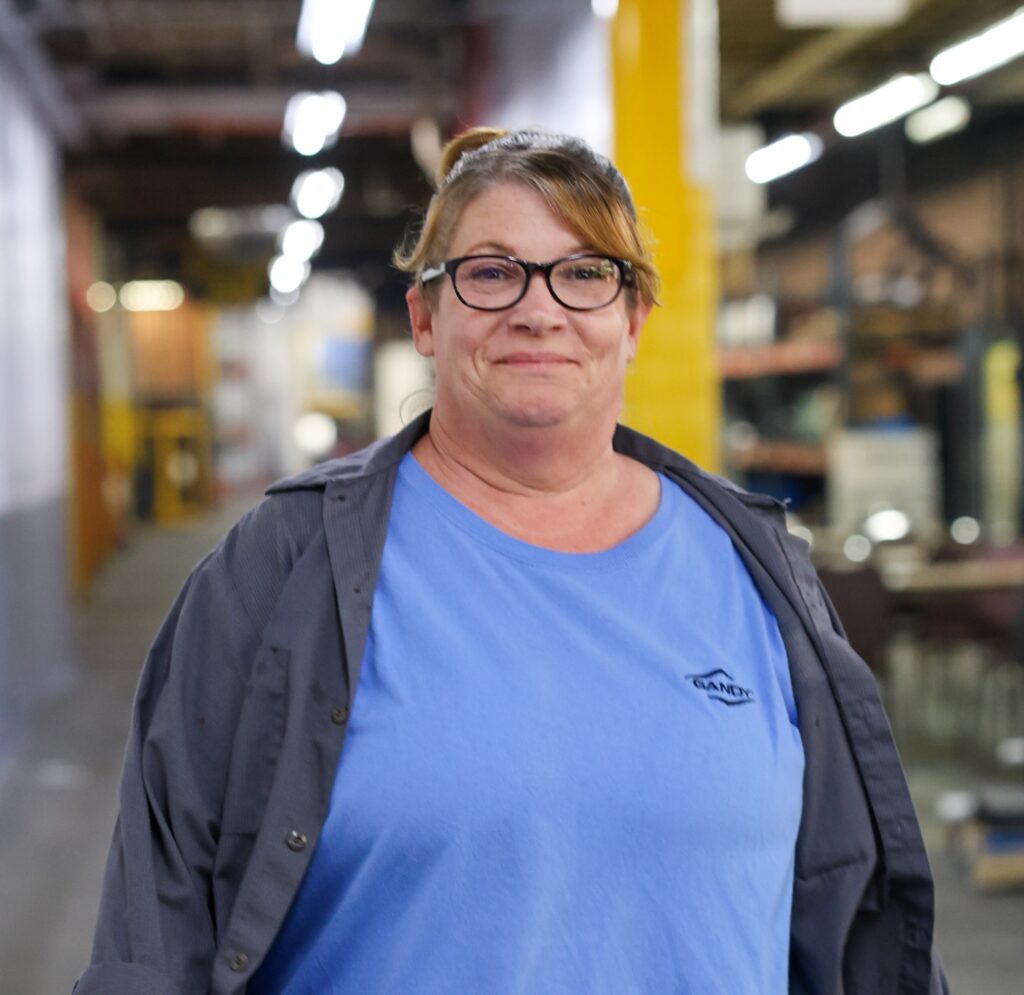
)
(589, 272)
(499, 271)
(491, 273)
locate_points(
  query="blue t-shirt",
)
(564, 773)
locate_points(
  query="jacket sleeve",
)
(156, 928)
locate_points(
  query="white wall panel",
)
(33, 308)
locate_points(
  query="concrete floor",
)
(58, 796)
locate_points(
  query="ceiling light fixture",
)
(887, 525)
(152, 295)
(302, 239)
(783, 156)
(329, 29)
(315, 434)
(839, 13)
(317, 191)
(885, 104)
(312, 121)
(944, 117)
(287, 274)
(995, 46)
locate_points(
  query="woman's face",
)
(537, 363)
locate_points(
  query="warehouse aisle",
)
(58, 797)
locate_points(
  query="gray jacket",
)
(243, 704)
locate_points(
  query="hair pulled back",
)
(580, 186)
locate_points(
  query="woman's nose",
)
(537, 311)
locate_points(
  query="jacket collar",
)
(379, 456)
(388, 452)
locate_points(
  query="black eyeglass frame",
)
(449, 266)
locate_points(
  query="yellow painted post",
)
(672, 391)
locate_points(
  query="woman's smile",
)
(535, 359)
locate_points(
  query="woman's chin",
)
(535, 406)
(543, 411)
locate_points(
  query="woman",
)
(608, 736)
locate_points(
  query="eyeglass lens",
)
(493, 282)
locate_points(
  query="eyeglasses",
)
(582, 282)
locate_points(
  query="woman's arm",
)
(156, 931)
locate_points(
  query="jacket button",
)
(339, 715)
(239, 962)
(296, 841)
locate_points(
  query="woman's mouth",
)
(534, 359)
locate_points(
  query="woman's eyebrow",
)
(490, 247)
(499, 248)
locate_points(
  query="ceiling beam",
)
(244, 110)
(794, 71)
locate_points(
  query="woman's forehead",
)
(508, 212)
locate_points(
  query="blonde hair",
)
(581, 187)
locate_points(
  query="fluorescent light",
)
(604, 9)
(782, 157)
(994, 47)
(887, 525)
(312, 121)
(152, 295)
(838, 13)
(329, 29)
(944, 117)
(101, 296)
(302, 239)
(315, 433)
(317, 191)
(888, 102)
(287, 274)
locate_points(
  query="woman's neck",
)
(516, 461)
(533, 485)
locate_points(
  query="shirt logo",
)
(718, 685)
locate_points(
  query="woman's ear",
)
(636, 316)
(420, 320)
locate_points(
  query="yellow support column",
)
(672, 391)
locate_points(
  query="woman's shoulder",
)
(290, 516)
(260, 550)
